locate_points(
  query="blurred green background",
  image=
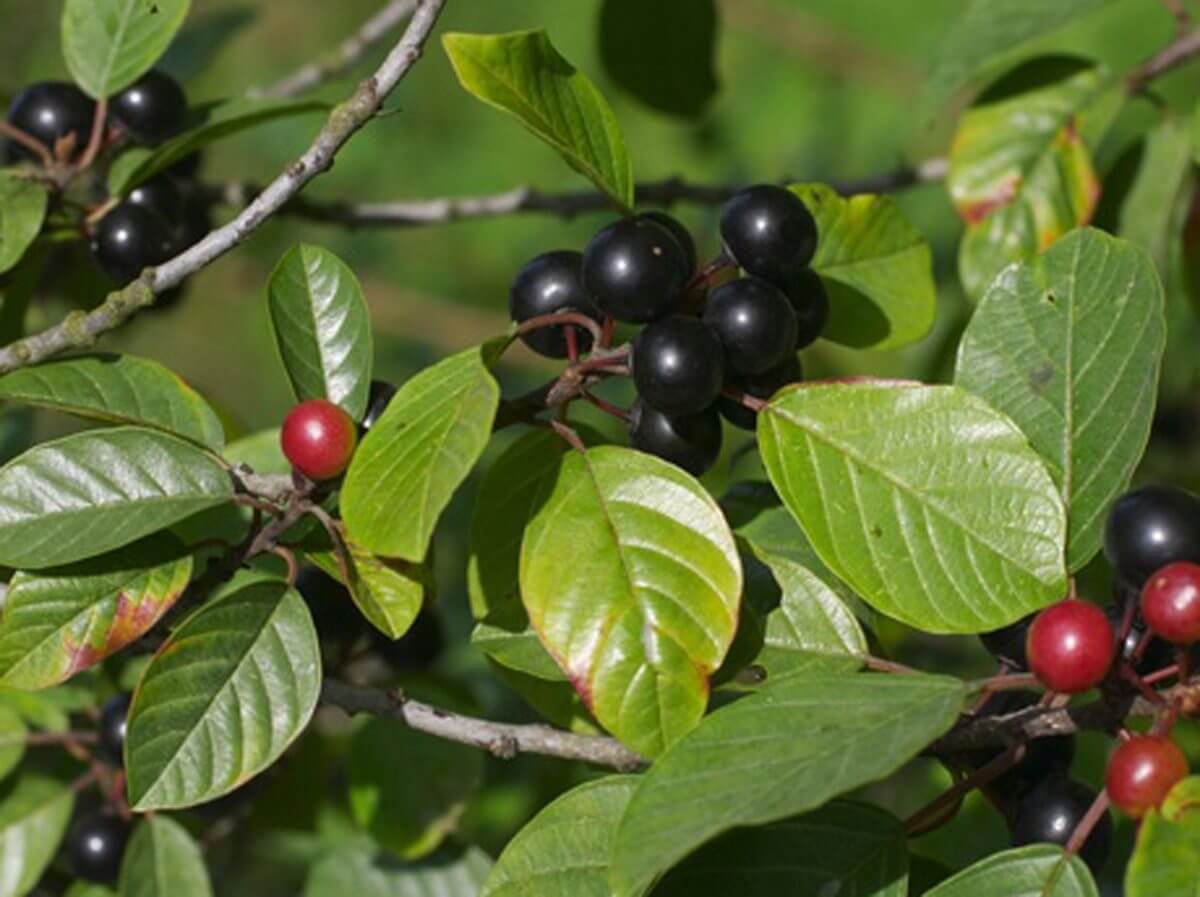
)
(814, 90)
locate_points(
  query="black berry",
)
(679, 232)
(377, 401)
(48, 112)
(152, 109)
(95, 845)
(130, 238)
(769, 232)
(113, 718)
(1049, 813)
(1007, 644)
(762, 386)
(634, 270)
(754, 322)
(677, 366)
(691, 441)
(1149, 528)
(551, 283)
(162, 196)
(1157, 654)
(1043, 757)
(806, 292)
(416, 650)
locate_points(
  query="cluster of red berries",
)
(1152, 541)
(700, 346)
(159, 218)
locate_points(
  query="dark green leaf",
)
(162, 860)
(1167, 853)
(22, 210)
(322, 328)
(117, 389)
(13, 733)
(1038, 871)
(34, 812)
(223, 698)
(1069, 346)
(355, 871)
(68, 619)
(109, 44)
(86, 494)
(521, 73)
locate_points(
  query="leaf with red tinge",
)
(60, 621)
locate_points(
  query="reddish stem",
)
(568, 433)
(752, 402)
(572, 344)
(28, 141)
(96, 140)
(608, 407)
(1088, 822)
(559, 318)
(924, 819)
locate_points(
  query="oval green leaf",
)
(1167, 853)
(355, 871)
(117, 389)
(1069, 346)
(877, 268)
(1042, 870)
(223, 698)
(418, 453)
(784, 750)
(322, 328)
(522, 74)
(109, 44)
(631, 577)
(22, 211)
(34, 812)
(86, 494)
(61, 621)
(13, 733)
(966, 544)
(163, 860)
(390, 594)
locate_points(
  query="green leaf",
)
(564, 850)
(16, 432)
(117, 389)
(1021, 172)
(877, 268)
(223, 698)
(162, 860)
(632, 579)
(1042, 870)
(34, 812)
(357, 872)
(61, 621)
(109, 44)
(22, 211)
(390, 594)
(201, 40)
(13, 733)
(408, 789)
(1167, 852)
(322, 327)
(662, 53)
(85, 494)
(1069, 346)
(781, 751)
(137, 165)
(87, 889)
(965, 545)
(418, 453)
(844, 848)
(521, 73)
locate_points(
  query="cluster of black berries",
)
(700, 347)
(159, 218)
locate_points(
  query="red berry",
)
(1141, 771)
(1171, 603)
(1070, 646)
(318, 439)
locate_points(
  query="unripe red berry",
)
(1171, 603)
(1070, 646)
(1142, 771)
(318, 439)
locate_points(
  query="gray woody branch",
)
(81, 329)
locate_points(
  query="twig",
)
(28, 141)
(1183, 49)
(924, 819)
(504, 740)
(1179, 12)
(341, 60)
(80, 329)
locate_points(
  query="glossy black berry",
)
(1043, 757)
(334, 614)
(677, 365)
(806, 292)
(690, 441)
(551, 283)
(1149, 528)
(754, 322)
(377, 401)
(762, 386)
(95, 845)
(113, 717)
(769, 232)
(1049, 813)
(1007, 644)
(679, 232)
(416, 650)
(635, 270)
(48, 112)
(162, 196)
(130, 238)
(152, 109)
